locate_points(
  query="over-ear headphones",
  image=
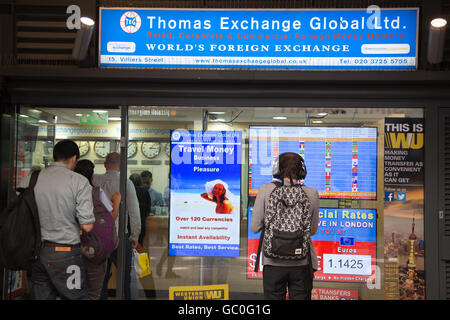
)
(276, 166)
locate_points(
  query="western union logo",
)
(213, 292)
(402, 140)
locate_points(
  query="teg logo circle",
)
(130, 22)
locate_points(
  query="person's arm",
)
(148, 203)
(158, 199)
(133, 212)
(87, 227)
(115, 199)
(257, 222)
(206, 197)
(315, 215)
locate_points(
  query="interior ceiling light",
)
(279, 118)
(436, 40)
(83, 38)
(216, 112)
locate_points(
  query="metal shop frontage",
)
(203, 97)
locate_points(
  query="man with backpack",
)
(64, 203)
(287, 213)
(110, 183)
(97, 245)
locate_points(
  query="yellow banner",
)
(212, 292)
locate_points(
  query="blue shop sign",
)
(355, 39)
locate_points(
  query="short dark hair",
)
(146, 174)
(136, 179)
(85, 168)
(291, 165)
(65, 149)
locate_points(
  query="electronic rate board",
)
(342, 164)
(341, 161)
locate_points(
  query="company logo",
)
(176, 135)
(130, 22)
(388, 196)
(401, 196)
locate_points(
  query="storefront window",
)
(367, 165)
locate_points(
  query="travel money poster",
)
(205, 180)
(403, 209)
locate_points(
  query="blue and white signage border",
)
(263, 39)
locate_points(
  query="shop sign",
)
(210, 292)
(346, 39)
(112, 130)
(404, 269)
(94, 118)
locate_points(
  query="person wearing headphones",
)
(280, 274)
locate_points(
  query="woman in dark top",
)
(144, 202)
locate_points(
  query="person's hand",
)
(139, 247)
(134, 244)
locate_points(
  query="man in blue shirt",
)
(155, 196)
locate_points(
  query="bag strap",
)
(33, 179)
(96, 193)
(258, 255)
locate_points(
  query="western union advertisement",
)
(213, 292)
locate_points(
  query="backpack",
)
(287, 224)
(20, 230)
(98, 244)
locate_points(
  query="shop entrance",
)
(393, 265)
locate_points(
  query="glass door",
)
(35, 137)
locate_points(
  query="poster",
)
(345, 245)
(252, 250)
(334, 294)
(209, 292)
(403, 209)
(259, 38)
(205, 180)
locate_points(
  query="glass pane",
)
(342, 205)
(33, 151)
(367, 165)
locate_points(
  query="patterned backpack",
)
(287, 223)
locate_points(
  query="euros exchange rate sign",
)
(345, 245)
